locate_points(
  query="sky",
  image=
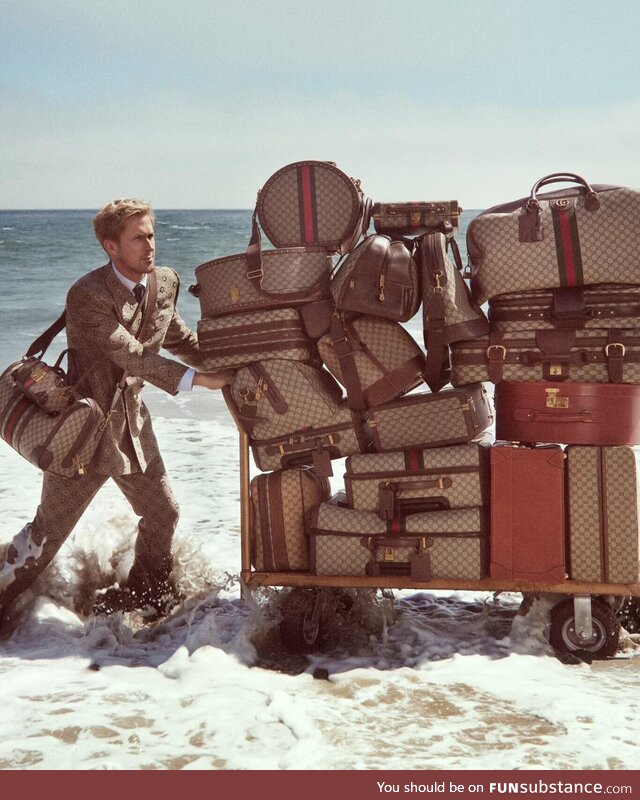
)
(194, 104)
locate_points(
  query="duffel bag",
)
(378, 277)
(313, 203)
(585, 356)
(375, 359)
(435, 545)
(280, 502)
(571, 237)
(62, 441)
(235, 340)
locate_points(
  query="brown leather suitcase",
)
(568, 413)
(414, 218)
(415, 481)
(280, 502)
(528, 513)
(430, 419)
(603, 486)
(596, 355)
(436, 544)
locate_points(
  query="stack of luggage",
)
(560, 274)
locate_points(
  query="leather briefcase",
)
(413, 219)
(280, 502)
(603, 525)
(379, 277)
(375, 359)
(414, 481)
(262, 279)
(426, 419)
(587, 356)
(571, 237)
(568, 413)
(448, 312)
(235, 340)
(438, 544)
(527, 513)
(313, 203)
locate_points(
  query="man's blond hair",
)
(108, 222)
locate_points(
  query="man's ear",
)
(110, 246)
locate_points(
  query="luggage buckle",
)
(389, 554)
(496, 347)
(623, 349)
(553, 400)
(37, 374)
(255, 273)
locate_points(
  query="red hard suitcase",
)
(568, 413)
(527, 513)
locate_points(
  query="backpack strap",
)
(433, 278)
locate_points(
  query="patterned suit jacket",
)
(99, 311)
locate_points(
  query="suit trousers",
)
(63, 502)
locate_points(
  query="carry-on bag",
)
(378, 277)
(589, 356)
(603, 487)
(278, 397)
(375, 359)
(571, 237)
(426, 419)
(313, 203)
(415, 218)
(318, 444)
(576, 308)
(414, 481)
(438, 544)
(448, 312)
(262, 279)
(568, 413)
(528, 513)
(235, 340)
(280, 502)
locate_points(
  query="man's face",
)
(134, 252)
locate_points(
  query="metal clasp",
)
(554, 400)
(37, 374)
(437, 289)
(497, 347)
(615, 344)
(389, 554)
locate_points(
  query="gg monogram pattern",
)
(334, 199)
(609, 245)
(604, 513)
(225, 288)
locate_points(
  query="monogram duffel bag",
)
(571, 237)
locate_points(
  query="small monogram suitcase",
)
(235, 340)
(280, 502)
(428, 419)
(437, 544)
(528, 513)
(603, 506)
(414, 218)
(568, 413)
(414, 481)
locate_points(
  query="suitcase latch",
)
(554, 400)
(389, 554)
(234, 293)
(555, 369)
(37, 374)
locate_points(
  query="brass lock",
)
(389, 554)
(554, 400)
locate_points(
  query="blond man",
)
(101, 317)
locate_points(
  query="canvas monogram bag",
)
(43, 418)
(571, 237)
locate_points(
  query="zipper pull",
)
(79, 465)
(381, 284)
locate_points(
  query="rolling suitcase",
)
(437, 544)
(430, 419)
(280, 502)
(603, 508)
(568, 413)
(527, 513)
(414, 481)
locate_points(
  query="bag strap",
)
(344, 349)
(433, 279)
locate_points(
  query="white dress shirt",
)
(186, 382)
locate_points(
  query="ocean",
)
(419, 681)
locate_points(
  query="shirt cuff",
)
(186, 381)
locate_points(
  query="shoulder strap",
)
(433, 279)
(43, 341)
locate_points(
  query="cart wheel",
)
(628, 614)
(606, 630)
(300, 626)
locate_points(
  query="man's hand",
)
(213, 380)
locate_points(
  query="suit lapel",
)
(124, 302)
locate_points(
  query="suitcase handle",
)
(550, 416)
(592, 203)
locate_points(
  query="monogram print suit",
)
(101, 326)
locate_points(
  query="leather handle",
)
(592, 203)
(550, 416)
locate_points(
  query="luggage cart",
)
(583, 621)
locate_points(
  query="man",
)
(102, 319)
